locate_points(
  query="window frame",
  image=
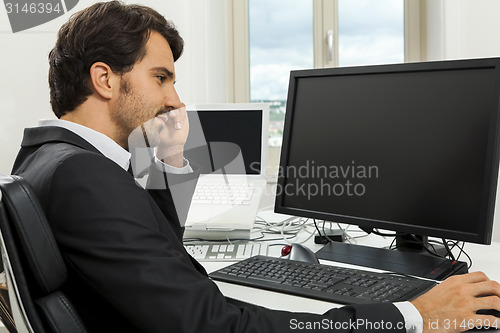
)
(325, 13)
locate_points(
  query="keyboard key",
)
(225, 251)
(218, 194)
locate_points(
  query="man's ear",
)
(103, 79)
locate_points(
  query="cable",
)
(324, 231)
(345, 235)
(289, 229)
(319, 232)
(392, 244)
(275, 226)
(401, 244)
(446, 243)
(448, 249)
(378, 233)
(462, 251)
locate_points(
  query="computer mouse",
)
(491, 312)
(487, 324)
(298, 252)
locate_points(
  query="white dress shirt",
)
(108, 147)
(413, 320)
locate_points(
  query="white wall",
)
(23, 85)
(459, 29)
(24, 95)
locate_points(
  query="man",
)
(112, 81)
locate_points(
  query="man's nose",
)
(172, 100)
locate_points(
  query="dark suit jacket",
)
(128, 270)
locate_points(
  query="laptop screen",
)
(218, 137)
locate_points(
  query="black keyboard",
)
(323, 282)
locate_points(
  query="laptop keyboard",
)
(225, 251)
(223, 194)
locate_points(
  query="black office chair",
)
(33, 264)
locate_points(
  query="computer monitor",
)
(407, 147)
(219, 132)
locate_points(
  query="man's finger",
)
(488, 302)
(474, 277)
(487, 288)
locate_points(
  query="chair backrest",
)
(33, 264)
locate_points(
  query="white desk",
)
(485, 258)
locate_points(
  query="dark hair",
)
(111, 32)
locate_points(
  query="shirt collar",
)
(107, 146)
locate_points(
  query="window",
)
(303, 34)
(370, 32)
(281, 39)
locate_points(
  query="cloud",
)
(270, 70)
(278, 23)
(281, 39)
(358, 17)
(365, 50)
(269, 82)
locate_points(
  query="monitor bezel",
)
(492, 158)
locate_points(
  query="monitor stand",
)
(403, 261)
(418, 244)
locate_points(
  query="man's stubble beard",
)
(134, 128)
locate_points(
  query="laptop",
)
(229, 143)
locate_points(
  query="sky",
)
(281, 39)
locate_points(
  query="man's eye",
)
(161, 78)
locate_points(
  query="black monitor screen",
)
(408, 147)
(225, 135)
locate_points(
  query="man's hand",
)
(451, 306)
(173, 136)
